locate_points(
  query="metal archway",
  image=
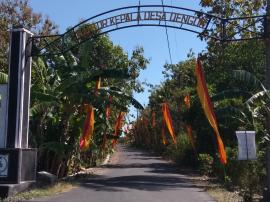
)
(198, 22)
(23, 45)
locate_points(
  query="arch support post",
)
(17, 161)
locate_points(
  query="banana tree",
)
(64, 84)
(252, 106)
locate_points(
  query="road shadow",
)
(160, 168)
(138, 182)
(155, 174)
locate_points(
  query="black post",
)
(267, 42)
(17, 161)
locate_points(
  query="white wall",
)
(3, 115)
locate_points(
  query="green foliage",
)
(246, 176)
(18, 13)
(3, 78)
(205, 164)
(235, 76)
(181, 153)
(63, 85)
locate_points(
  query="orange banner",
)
(118, 123)
(98, 83)
(88, 129)
(191, 138)
(187, 101)
(108, 109)
(168, 121)
(163, 136)
(117, 127)
(104, 141)
(153, 119)
(208, 109)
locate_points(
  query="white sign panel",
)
(3, 114)
(246, 145)
(3, 165)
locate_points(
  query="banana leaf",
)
(122, 95)
(229, 94)
(3, 78)
(248, 78)
(86, 77)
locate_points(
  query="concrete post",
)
(17, 161)
(3, 115)
(267, 42)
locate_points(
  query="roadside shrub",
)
(182, 153)
(205, 164)
(247, 176)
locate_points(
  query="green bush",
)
(247, 176)
(181, 153)
(205, 164)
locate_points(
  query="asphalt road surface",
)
(135, 177)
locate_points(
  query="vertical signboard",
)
(246, 145)
(3, 114)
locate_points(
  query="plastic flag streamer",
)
(187, 101)
(117, 127)
(153, 119)
(98, 83)
(145, 121)
(208, 108)
(88, 129)
(191, 138)
(163, 136)
(168, 121)
(188, 126)
(104, 141)
(108, 109)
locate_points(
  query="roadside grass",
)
(39, 192)
(220, 194)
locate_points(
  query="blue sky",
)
(67, 13)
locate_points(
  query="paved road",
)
(137, 177)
